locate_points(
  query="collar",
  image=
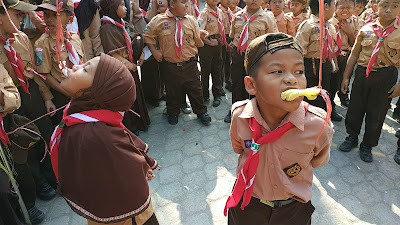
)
(259, 11)
(210, 9)
(395, 22)
(169, 14)
(334, 21)
(223, 8)
(296, 117)
(314, 18)
(280, 16)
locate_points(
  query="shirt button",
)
(275, 186)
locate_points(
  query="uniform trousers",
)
(179, 79)
(337, 78)
(257, 212)
(211, 62)
(369, 98)
(227, 60)
(238, 73)
(153, 87)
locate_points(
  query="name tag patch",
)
(247, 143)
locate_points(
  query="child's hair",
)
(364, 2)
(337, 1)
(271, 43)
(304, 2)
(314, 5)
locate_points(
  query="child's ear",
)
(70, 19)
(326, 6)
(250, 85)
(172, 4)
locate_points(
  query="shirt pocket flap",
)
(366, 42)
(166, 32)
(394, 45)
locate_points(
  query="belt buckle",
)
(268, 203)
(179, 64)
(344, 53)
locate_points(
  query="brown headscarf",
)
(109, 8)
(113, 88)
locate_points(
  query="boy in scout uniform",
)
(284, 22)
(347, 27)
(227, 16)
(308, 37)
(253, 22)
(211, 53)
(45, 49)
(377, 53)
(274, 180)
(178, 36)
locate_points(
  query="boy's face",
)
(16, 18)
(253, 4)
(329, 10)
(234, 3)
(275, 75)
(226, 3)
(212, 3)
(121, 10)
(80, 77)
(179, 7)
(297, 7)
(276, 6)
(388, 10)
(358, 9)
(344, 9)
(50, 18)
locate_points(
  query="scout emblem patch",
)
(316, 28)
(393, 52)
(247, 143)
(293, 170)
(39, 56)
(160, 2)
(165, 24)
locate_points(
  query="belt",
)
(179, 64)
(278, 203)
(214, 36)
(382, 69)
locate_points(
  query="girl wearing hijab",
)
(101, 166)
(116, 38)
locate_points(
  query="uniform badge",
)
(369, 32)
(39, 56)
(393, 52)
(258, 33)
(160, 2)
(165, 24)
(316, 28)
(247, 143)
(209, 19)
(292, 170)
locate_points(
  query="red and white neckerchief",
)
(178, 34)
(3, 135)
(102, 115)
(338, 47)
(328, 46)
(221, 28)
(16, 62)
(106, 19)
(245, 180)
(244, 36)
(196, 8)
(73, 56)
(227, 12)
(381, 35)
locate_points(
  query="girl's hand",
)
(141, 60)
(158, 55)
(133, 67)
(149, 175)
(394, 91)
(50, 107)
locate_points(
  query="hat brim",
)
(46, 6)
(23, 6)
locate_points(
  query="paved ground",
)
(198, 173)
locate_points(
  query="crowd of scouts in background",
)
(167, 39)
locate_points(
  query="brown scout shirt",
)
(389, 52)
(23, 53)
(190, 10)
(263, 24)
(353, 21)
(271, 182)
(298, 19)
(157, 7)
(12, 100)
(308, 37)
(209, 22)
(161, 30)
(225, 18)
(285, 24)
(46, 46)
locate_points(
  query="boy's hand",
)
(346, 27)
(149, 175)
(203, 34)
(133, 67)
(394, 91)
(157, 54)
(50, 107)
(345, 85)
(211, 42)
(141, 60)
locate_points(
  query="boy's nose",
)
(290, 79)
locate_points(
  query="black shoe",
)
(228, 118)
(173, 120)
(46, 192)
(397, 156)
(335, 116)
(365, 153)
(35, 215)
(217, 101)
(396, 115)
(345, 102)
(228, 86)
(348, 144)
(204, 118)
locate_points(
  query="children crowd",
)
(84, 55)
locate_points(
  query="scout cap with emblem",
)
(19, 5)
(271, 43)
(68, 5)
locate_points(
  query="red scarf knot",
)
(244, 36)
(220, 28)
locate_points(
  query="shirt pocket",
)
(188, 37)
(393, 51)
(256, 30)
(26, 59)
(313, 46)
(293, 164)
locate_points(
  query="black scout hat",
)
(68, 5)
(19, 5)
(271, 43)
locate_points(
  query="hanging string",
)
(59, 35)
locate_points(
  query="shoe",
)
(345, 102)
(348, 144)
(173, 120)
(206, 98)
(365, 153)
(217, 101)
(335, 116)
(397, 156)
(35, 215)
(204, 118)
(46, 192)
(223, 93)
(228, 117)
(165, 111)
(164, 97)
(228, 86)
(186, 108)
